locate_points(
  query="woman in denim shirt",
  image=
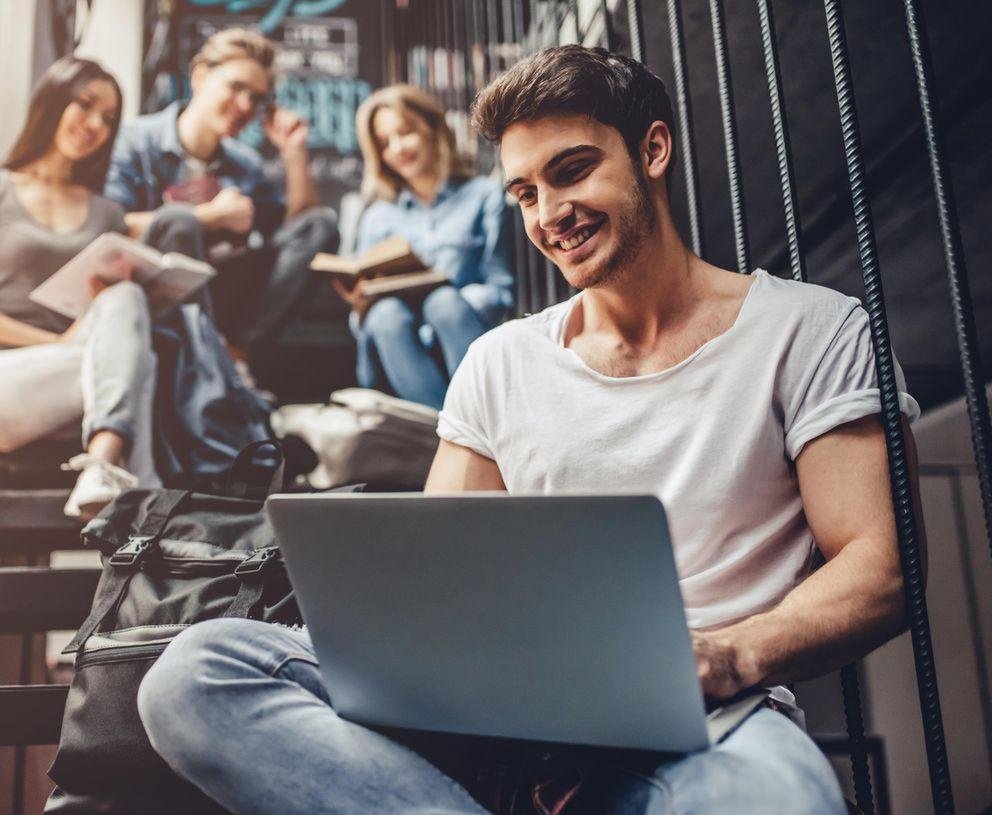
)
(454, 222)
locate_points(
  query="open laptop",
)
(553, 618)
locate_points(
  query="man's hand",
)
(230, 209)
(718, 665)
(354, 297)
(287, 132)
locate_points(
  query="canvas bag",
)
(364, 436)
(171, 558)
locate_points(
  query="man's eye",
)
(526, 198)
(574, 171)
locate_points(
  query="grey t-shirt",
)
(30, 252)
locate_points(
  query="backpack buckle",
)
(257, 561)
(132, 552)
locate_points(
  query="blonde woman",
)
(454, 221)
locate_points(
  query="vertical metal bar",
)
(575, 16)
(851, 689)
(534, 27)
(780, 124)
(636, 28)
(608, 38)
(725, 86)
(902, 497)
(957, 273)
(686, 141)
(492, 36)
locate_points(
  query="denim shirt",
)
(148, 158)
(464, 233)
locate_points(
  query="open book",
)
(167, 279)
(389, 268)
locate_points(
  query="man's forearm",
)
(301, 194)
(851, 605)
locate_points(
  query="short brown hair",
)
(235, 43)
(573, 80)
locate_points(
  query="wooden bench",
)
(34, 599)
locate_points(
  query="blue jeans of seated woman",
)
(395, 343)
(238, 707)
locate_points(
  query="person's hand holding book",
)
(354, 296)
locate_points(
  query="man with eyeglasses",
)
(189, 186)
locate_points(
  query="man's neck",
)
(658, 289)
(198, 141)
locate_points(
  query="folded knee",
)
(174, 689)
(444, 304)
(387, 318)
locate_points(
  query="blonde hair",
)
(417, 105)
(235, 43)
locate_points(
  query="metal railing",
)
(495, 33)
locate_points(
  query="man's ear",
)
(656, 150)
(197, 76)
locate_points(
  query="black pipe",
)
(608, 39)
(726, 90)
(957, 273)
(793, 227)
(851, 690)
(635, 25)
(685, 126)
(902, 496)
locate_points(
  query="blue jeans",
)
(104, 374)
(394, 342)
(238, 707)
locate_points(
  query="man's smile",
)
(576, 238)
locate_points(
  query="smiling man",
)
(747, 403)
(187, 184)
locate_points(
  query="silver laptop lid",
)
(551, 618)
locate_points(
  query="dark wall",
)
(895, 156)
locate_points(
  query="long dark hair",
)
(56, 89)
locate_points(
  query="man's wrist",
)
(295, 155)
(204, 213)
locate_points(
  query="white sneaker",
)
(99, 483)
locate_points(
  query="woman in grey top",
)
(99, 369)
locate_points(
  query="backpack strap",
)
(252, 573)
(125, 562)
(243, 479)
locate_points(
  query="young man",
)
(747, 403)
(183, 154)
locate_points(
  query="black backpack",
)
(171, 558)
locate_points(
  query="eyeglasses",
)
(258, 101)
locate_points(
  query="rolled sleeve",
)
(842, 386)
(463, 419)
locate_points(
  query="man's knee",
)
(317, 226)
(176, 686)
(388, 318)
(175, 228)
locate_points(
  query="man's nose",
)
(552, 210)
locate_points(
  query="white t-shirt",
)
(714, 437)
